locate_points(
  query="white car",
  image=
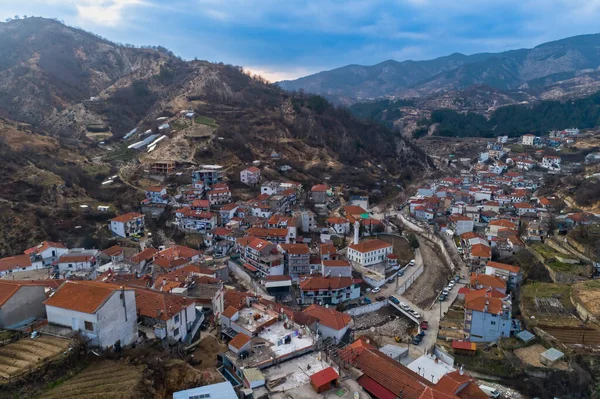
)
(404, 306)
(375, 290)
(415, 313)
(412, 262)
(451, 284)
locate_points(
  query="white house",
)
(332, 324)
(369, 252)
(194, 220)
(551, 162)
(46, 252)
(336, 268)
(338, 225)
(128, 224)
(250, 176)
(21, 300)
(219, 194)
(461, 224)
(527, 139)
(78, 259)
(104, 313)
(173, 317)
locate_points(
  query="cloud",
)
(104, 12)
(278, 74)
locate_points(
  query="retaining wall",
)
(372, 307)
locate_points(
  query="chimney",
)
(356, 232)
(460, 371)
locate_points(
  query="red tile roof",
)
(229, 207)
(336, 263)
(503, 223)
(200, 204)
(323, 377)
(146, 255)
(484, 300)
(8, 288)
(319, 188)
(195, 213)
(229, 312)
(155, 189)
(127, 217)
(370, 245)
(337, 220)
(15, 262)
(324, 283)
(481, 251)
(159, 305)
(239, 340)
(295, 249)
(458, 217)
(329, 317)
(327, 249)
(82, 296)
(504, 266)
(113, 251)
(76, 258)
(253, 169)
(44, 245)
(487, 281)
(464, 345)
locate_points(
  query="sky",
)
(287, 39)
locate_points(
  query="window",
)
(493, 323)
(89, 326)
(176, 332)
(70, 265)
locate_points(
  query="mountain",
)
(58, 144)
(514, 70)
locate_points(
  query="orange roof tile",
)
(329, 317)
(82, 296)
(113, 251)
(127, 217)
(336, 263)
(239, 340)
(146, 254)
(323, 283)
(327, 249)
(370, 245)
(15, 262)
(484, 300)
(503, 266)
(159, 305)
(487, 281)
(337, 220)
(295, 249)
(481, 251)
(44, 245)
(319, 188)
(229, 312)
(155, 189)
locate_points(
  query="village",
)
(314, 291)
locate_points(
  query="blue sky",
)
(282, 39)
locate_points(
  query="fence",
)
(372, 307)
(402, 287)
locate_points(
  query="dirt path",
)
(435, 276)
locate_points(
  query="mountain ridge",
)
(507, 71)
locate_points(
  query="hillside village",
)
(308, 290)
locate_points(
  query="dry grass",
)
(588, 294)
(22, 356)
(531, 356)
(106, 379)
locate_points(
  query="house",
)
(318, 193)
(305, 220)
(535, 232)
(127, 225)
(493, 206)
(338, 225)
(195, 221)
(157, 195)
(219, 194)
(550, 162)
(200, 205)
(479, 254)
(141, 259)
(77, 260)
(261, 256)
(296, 258)
(171, 316)
(209, 175)
(250, 176)
(336, 268)
(369, 252)
(113, 254)
(328, 290)
(328, 252)
(163, 167)
(523, 207)
(103, 313)
(479, 281)
(527, 139)
(46, 252)
(511, 274)
(17, 263)
(278, 286)
(424, 213)
(176, 257)
(460, 224)
(226, 213)
(487, 315)
(20, 302)
(332, 324)
(324, 380)
(496, 225)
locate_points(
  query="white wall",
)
(118, 228)
(329, 332)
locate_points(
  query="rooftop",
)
(82, 296)
(329, 317)
(127, 217)
(370, 245)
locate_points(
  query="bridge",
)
(405, 312)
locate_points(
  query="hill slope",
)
(510, 70)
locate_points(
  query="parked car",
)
(460, 250)
(380, 298)
(404, 306)
(451, 284)
(424, 325)
(375, 290)
(415, 314)
(445, 291)
(421, 334)
(351, 306)
(442, 298)
(416, 340)
(401, 273)
(394, 300)
(489, 391)
(456, 278)
(412, 262)
(367, 301)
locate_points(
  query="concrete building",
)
(511, 274)
(460, 224)
(318, 193)
(219, 194)
(332, 324)
(250, 176)
(487, 315)
(188, 219)
(329, 290)
(296, 258)
(78, 259)
(104, 313)
(336, 268)
(21, 301)
(208, 175)
(306, 221)
(127, 225)
(551, 162)
(527, 139)
(369, 252)
(222, 390)
(47, 252)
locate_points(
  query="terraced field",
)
(106, 379)
(26, 354)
